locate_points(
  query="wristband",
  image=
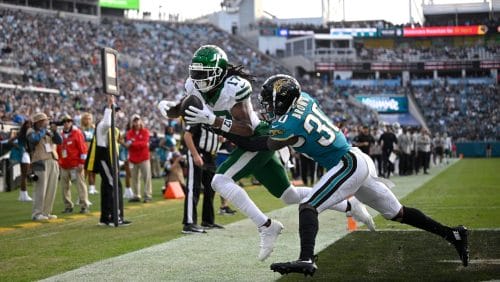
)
(226, 125)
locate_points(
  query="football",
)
(191, 100)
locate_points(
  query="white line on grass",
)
(223, 255)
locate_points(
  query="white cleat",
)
(129, 194)
(92, 190)
(24, 197)
(268, 237)
(359, 213)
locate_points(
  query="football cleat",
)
(358, 212)
(268, 237)
(460, 242)
(307, 267)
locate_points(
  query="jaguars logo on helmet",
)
(279, 93)
(208, 67)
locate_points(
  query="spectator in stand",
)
(43, 140)
(72, 155)
(137, 143)
(20, 155)
(88, 129)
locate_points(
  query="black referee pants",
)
(105, 172)
(197, 177)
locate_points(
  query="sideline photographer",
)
(42, 138)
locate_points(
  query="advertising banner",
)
(445, 31)
(385, 104)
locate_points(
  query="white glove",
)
(195, 115)
(164, 106)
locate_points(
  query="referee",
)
(99, 159)
(202, 144)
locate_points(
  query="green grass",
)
(467, 194)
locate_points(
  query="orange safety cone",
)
(351, 224)
(173, 190)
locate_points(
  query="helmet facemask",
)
(205, 78)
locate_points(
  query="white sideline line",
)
(223, 255)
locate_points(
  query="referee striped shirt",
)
(204, 138)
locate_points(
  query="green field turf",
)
(467, 193)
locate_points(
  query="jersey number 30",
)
(318, 121)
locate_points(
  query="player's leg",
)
(377, 195)
(336, 185)
(238, 165)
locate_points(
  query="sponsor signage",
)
(120, 4)
(354, 32)
(385, 104)
(390, 32)
(445, 31)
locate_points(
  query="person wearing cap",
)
(137, 143)
(99, 160)
(72, 154)
(42, 140)
(88, 129)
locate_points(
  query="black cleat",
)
(307, 267)
(461, 244)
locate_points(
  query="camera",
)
(32, 177)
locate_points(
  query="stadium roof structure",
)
(462, 8)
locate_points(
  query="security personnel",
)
(202, 144)
(99, 160)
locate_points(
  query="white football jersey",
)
(234, 90)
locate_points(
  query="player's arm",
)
(261, 143)
(240, 124)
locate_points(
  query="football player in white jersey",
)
(225, 90)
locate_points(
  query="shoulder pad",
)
(239, 87)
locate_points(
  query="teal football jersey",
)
(320, 139)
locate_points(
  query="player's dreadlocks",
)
(239, 71)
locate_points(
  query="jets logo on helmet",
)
(278, 95)
(208, 67)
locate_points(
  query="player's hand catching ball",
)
(195, 115)
(164, 106)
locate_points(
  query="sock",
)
(228, 189)
(308, 229)
(418, 219)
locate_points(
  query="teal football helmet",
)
(208, 67)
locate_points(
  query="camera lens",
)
(33, 177)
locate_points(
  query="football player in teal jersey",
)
(225, 90)
(298, 121)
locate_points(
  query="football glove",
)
(195, 115)
(164, 106)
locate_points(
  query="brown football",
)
(190, 100)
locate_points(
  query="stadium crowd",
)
(153, 65)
